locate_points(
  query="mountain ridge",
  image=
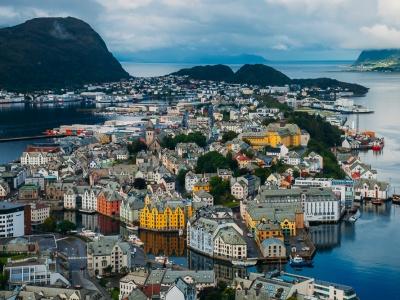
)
(263, 75)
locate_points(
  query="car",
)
(250, 235)
(98, 277)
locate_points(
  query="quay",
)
(34, 137)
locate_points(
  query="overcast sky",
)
(275, 29)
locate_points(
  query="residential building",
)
(39, 212)
(273, 135)
(273, 248)
(203, 197)
(179, 290)
(37, 271)
(165, 216)
(109, 202)
(371, 189)
(12, 219)
(131, 282)
(130, 208)
(213, 232)
(108, 252)
(282, 285)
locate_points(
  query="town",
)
(236, 174)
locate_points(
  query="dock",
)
(34, 137)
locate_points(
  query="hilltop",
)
(45, 53)
(378, 60)
(262, 75)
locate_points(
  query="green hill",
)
(45, 53)
(378, 60)
(262, 75)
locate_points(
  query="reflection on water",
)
(169, 244)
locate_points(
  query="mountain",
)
(263, 75)
(259, 74)
(45, 53)
(378, 60)
(209, 72)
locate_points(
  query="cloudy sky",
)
(160, 30)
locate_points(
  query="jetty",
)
(33, 137)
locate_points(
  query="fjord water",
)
(363, 255)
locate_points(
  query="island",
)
(263, 75)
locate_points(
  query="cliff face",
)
(47, 53)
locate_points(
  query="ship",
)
(298, 262)
(355, 217)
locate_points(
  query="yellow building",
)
(275, 134)
(201, 186)
(287, 218)
(165, 216)
(266, 230)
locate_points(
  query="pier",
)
(35, 137)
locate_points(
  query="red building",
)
(108, 203)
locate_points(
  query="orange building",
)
(108, 203)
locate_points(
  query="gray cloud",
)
(276, 29)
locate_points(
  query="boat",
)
(87, 233)
(355, 217)
(135, 240)
(132, 227)
(396, 198)
(376, 146)
(299, 262)
(163, 260)
(376, 201)
(244, 263)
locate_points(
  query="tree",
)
(49, 225)
(193, 137)
(108, 269)
(65, 226)
(228, 136)
(139, 184)
(211, 161)
(180, 179)
(136, 146)
(262, 173)
(221, 190)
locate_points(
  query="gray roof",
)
(104, 245)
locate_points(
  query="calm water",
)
(363, 255)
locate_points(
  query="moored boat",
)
(376, 201)
(163, 260)
(135, 240)
(355, 217)
(299, 261)
(396, 198)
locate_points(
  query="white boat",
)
(131, 227)
(87, 233)
(135, 240)
(355, 217)
(163, 260)
(245, 263)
